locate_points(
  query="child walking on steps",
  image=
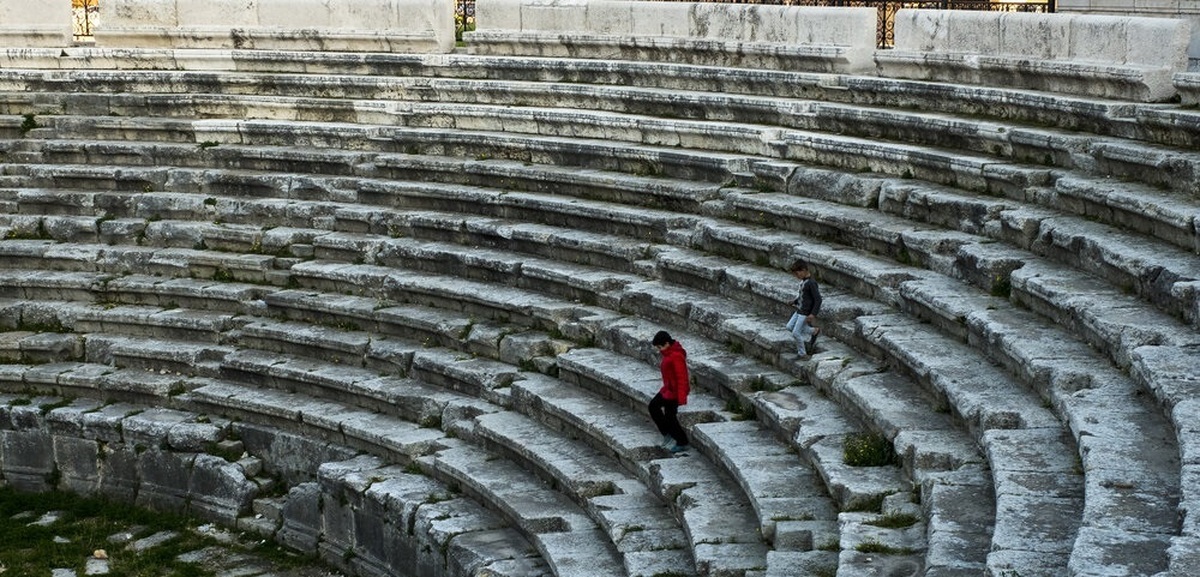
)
(664, 407)
(807, 305)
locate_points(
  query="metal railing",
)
(83, 18)
(464, 17)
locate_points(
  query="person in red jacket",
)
(664, 407)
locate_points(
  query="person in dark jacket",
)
(664, 407)
(807, 305)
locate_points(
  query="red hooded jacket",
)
(676, 384)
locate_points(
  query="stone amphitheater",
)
(312, 270)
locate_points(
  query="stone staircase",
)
(471, 253)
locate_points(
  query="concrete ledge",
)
(1102, 56)
(422, 26)
(741, 35)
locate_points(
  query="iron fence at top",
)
(83, 18)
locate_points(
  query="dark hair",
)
(799, 264)
(662, 338)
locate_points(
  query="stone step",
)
(961, 99)
(568, 539)
(1183, 266)
(179, 357)
(1035, 144)
(793, 510)
(627, 436)
(639, 524)
(373, 517)
(1118, 325)
(24, 346)
(332, 421)
(712, 506)
(409, 399)
(485, 300)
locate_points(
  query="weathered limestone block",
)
(1102, 56)
(68, 421)
(119, 477)
(793, 37)
(424, 26)
(342, 496)
(1188, 85)
(301, 528)
(28, 459)
(78, 464)
(164, 479)
(219, 489)
(25, 24)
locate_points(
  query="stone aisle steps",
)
(991, 402)
(719, 519)
(636, 520)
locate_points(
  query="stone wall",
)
(1186, 9)
(420, 26)
(357, 513)
(25, 24)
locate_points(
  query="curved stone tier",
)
(477, 265)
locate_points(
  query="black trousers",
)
(666, 417)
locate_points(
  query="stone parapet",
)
(1101, 56)
(746, 35)
(25, 24)
(421, 26)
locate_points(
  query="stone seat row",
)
(935, 460)
(1051, 236)
(642, 400)
(1173, 296)
(451, 78)
(173, 470)
(243, 365)
(1090, 157)
(1118, 349)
